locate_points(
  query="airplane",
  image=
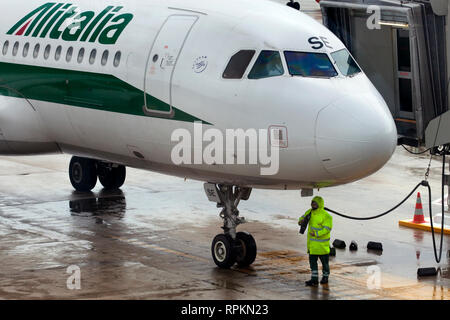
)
(110, 81)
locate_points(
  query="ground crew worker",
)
(318, 241)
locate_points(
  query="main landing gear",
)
(84, 173)
(231, 247)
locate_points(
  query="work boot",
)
(324, 280)
(312, 283)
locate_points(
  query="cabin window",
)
(5, 47)
(117, 59)
(238, 64)
(345, 63)
(105, 57)
(26, 48)
(80, 55)
(69, 54)
(58, 53)
(92, 56)
(15, 48)
(267, 65)
(47, 52)
(36, 51)
(308, 64)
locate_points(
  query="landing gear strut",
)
(231, 247)
(84, 173)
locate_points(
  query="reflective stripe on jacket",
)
(321, 224)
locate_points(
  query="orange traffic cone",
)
(418, 213)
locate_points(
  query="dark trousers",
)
(324, 259)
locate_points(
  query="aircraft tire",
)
(83, 174)
(223, 252)
(112, 178)
(246, 249)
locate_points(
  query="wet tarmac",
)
(152, 239)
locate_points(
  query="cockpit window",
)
(308, 64)
(267, 65)
(238, 64)
(345, 62)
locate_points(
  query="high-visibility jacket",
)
(320, 224)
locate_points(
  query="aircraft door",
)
(162, 62)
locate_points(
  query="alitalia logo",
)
(67, 22)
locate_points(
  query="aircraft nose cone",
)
(355, 136)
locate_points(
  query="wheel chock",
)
(339, 244)
(377, 246)
(427, 272)
(353, 246)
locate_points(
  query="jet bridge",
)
(402, 47)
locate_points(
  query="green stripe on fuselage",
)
(80, 89)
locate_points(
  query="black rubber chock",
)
(339, 244)
(378, 246)
(426, 272)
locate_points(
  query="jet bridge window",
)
(308, 64)
(345, 63)
(238, 64)
(267, 65)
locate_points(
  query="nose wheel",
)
(245, 247)
(226, 251)
(231, 247)
(222, 250)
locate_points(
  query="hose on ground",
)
(422, 183)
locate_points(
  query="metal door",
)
(162, 62)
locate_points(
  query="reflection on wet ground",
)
(108, 204)
(138, 243)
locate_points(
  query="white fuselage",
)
(164, 71)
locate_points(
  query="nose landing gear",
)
(231, 247)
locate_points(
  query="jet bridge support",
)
(437, 138)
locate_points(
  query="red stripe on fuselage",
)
(22, 30)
